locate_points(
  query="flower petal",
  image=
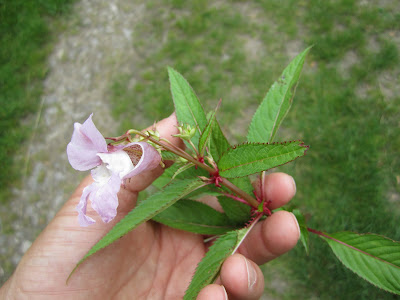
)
(86, 142)
(83, 219)
(104, 198)
(149, 160)
(118, 162)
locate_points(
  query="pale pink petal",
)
(86, 142)
(104, 198)
(149, 160)
(83, 219)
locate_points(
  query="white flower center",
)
(117, 162)
(101, 174)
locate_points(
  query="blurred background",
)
(62, 60)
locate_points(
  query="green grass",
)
(341, 110)
(199, 47)
(25, 38)
(353, 134)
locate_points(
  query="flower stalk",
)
(174, 150)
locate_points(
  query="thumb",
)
(166, 128)
(65, 223)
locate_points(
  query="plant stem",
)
(194, 148)
(236, 198)
(175, 151)
(253, 202)
(315, 232)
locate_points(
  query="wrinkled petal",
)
(101, 174)
(86, 142)
(149, 160)
(104, 198)
(102, 194)
(83, 219)
(117, 162)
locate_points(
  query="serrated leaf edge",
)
(208, 128)
(215, 274)
(266, 143)
(273, 143)
(328, 236)
(187, 104)
(358, 250)
(87, 255)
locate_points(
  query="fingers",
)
(271, 238)
(279, 188)
(278, 233)
(213, 291)
(241, 279)
(240, 275)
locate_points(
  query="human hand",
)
(151, 262)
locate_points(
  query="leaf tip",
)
(72, 272)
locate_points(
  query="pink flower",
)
(111, 167)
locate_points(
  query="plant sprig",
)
(223, 170)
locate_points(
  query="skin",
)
(153, 261)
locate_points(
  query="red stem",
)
(236, 198)
(253, 202)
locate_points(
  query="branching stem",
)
(194, 148)
(242, 194)
(236, 198)
(253, 202)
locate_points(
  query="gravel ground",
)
(96, 45)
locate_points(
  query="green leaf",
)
(244, 184)
(206, 134)
(195, 217)
(169, 172)
(166, 155)
(303, 228)
(219, 142)
(146, 210)
(373, 257)
(182, 169)
(187, 106)
(239, 213)
(165, 178)
(246, 159)
(208, 269)
(236, 211)
(276, 103)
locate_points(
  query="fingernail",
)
(251, 274)
(297, 223)
(225, 293)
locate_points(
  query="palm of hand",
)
(153, 261)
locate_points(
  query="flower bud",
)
(186, 132)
